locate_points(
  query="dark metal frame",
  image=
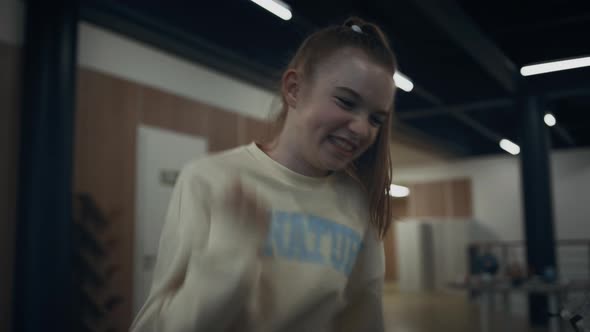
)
(466, 34)
(43, 265)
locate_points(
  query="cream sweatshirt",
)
(319, 268)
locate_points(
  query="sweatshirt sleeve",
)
(364, 293)
(203, 271)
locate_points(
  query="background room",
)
(491, 163)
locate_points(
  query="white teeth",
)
(343, 144)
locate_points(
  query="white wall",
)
(117, 55)
(11, 21)
(157, 151)
(431, 253)
(571, 193)
(497, 202)
(497, 192)
(414, 257)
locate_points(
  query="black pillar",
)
(43, 256)
(538, 211)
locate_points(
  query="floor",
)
(419, 312)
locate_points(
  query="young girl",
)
(285, 236)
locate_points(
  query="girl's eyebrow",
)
(351, 91)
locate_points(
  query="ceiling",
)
(463, 56)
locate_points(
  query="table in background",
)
(557, 293)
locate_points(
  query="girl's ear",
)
(291, 84)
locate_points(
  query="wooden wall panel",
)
(448, 198)
(253, 130)
(9, 131)
(400, 210)
(390, 256)
(171, 112)
(105, 154)
(109, 111)
(427, 199)
(400, 207)
(461, 198)
(222, 130)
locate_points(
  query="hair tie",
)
(356, 28)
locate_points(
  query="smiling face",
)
(340, 110)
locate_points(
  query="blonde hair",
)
(373, 168)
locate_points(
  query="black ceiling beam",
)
(465, 119)
(546, 23)
(460, 28)
(565, 83)
(581, 91)
(486, 105)
(457, 111)
(457, 115)
(564, 135)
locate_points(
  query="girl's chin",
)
(334, 165)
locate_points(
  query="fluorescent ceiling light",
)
(398, 191)
(276, 7)
(550, 120)
(402, 81)
(509, 147)
(552, 66)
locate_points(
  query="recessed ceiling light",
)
(550, 120)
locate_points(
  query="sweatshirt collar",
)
(285, 174)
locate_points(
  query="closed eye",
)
(376, 120)
(345, 103)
